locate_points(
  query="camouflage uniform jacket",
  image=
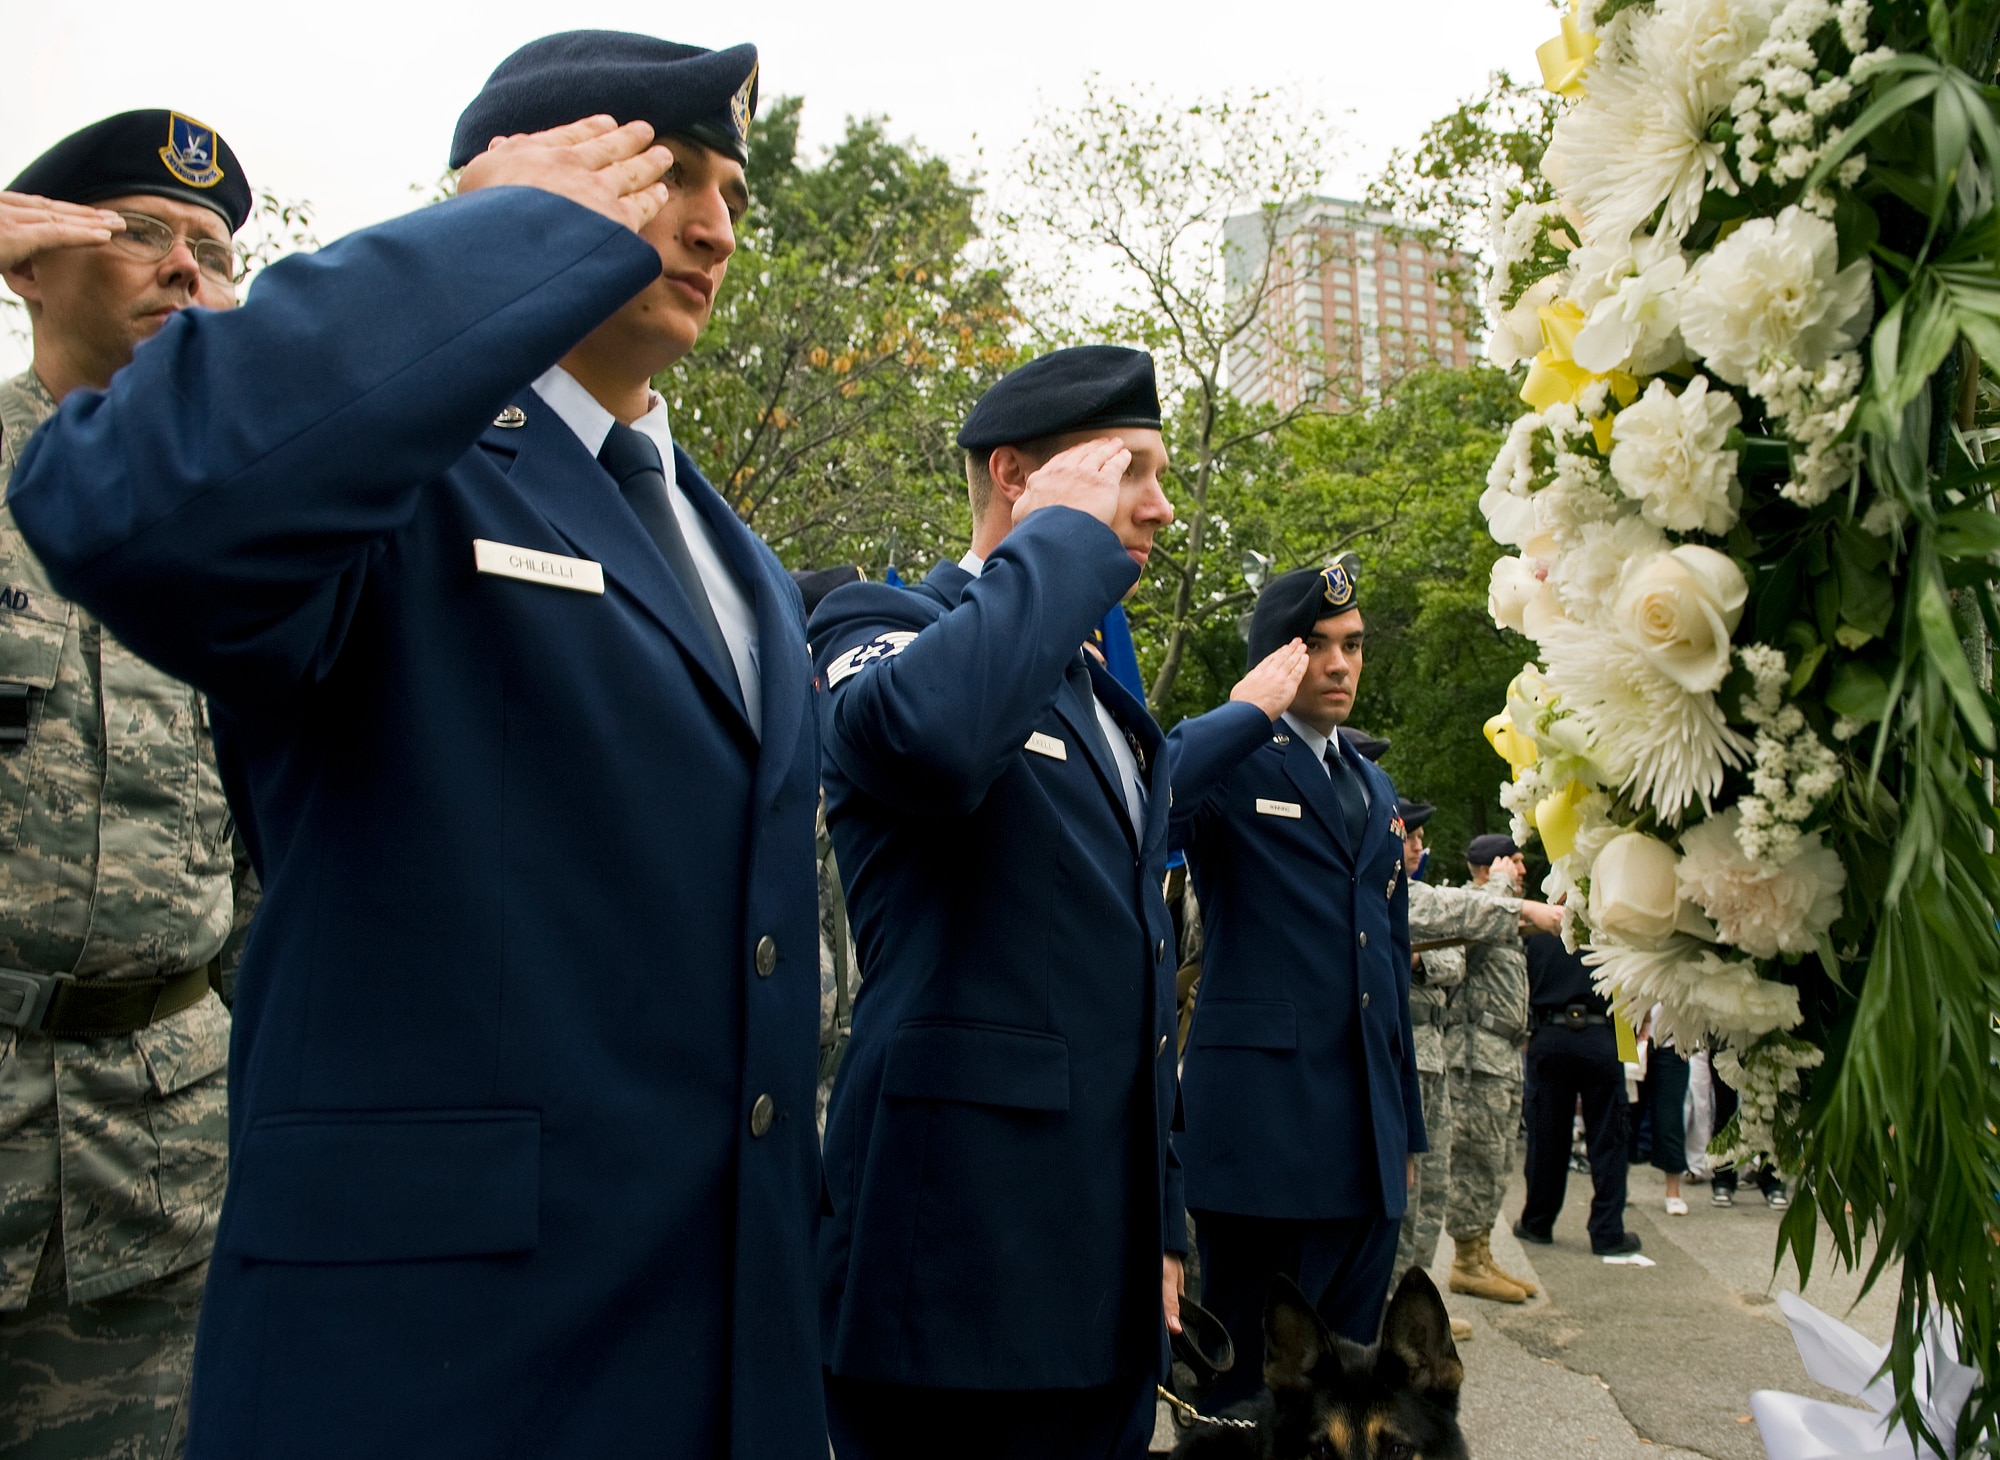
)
(1496, 985)
(839, 970)
(1459, 916)
(115, 862)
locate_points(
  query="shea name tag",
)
(1048, 745)
(532, 566)
(1277, 808)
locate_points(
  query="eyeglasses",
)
(151, 240)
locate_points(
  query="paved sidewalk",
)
(1637, 1362)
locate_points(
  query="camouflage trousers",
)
(100, 1381)
(1486, 1117)
(1423, 1218)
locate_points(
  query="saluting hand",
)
(609, 169)
(30, 225)
(1085, 477)
(1274, 683)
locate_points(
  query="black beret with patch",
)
(156, 153)
(684, 91)
(1083, 388)
(1368, 747)
(1293, 602)
(1414, 813)
(1483, 851)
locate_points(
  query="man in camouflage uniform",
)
(839, 970)
(116, 855)
(1484, 1036)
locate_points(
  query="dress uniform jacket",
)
(521, 1092)
(115, 863)
(1000, 1178)
(1299, 1084)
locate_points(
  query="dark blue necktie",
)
(1347, 786)
(634, 463)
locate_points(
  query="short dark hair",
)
(979, 473)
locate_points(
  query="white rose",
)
(1668, 455)
(1634, 897)
(1678, 609)
(1775, 287)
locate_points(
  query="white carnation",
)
(1668, 454)
(1763, 909)
(1586, 575)
(1775, 287)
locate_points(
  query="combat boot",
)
(1473, 1273)
(1461, 1330)
(1493, 1265)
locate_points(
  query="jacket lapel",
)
(568, 487)
(1081, 718)
(1132, 714)
(1309, 775)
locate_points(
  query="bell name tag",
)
(1278, 808)
(1047, 745)
(530, 565)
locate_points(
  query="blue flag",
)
(893, 578)
(1114, 639)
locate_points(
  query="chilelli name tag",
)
(1277, 808)
(580, 575)
(1048, 745)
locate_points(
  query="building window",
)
(1340, 293)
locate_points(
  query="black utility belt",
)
(1575, 1016)
(1480, 1019)
(1438, 1014)
(64, 1007)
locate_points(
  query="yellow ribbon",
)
(1565, 58)
(1555, 378)
(1517, 749)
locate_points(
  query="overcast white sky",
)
(349, 104)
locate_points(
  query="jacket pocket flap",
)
(1247, 1024)
(388, 1186)
(32, 632)
(979, 1064)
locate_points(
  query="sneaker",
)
(1721, 1196)
(1538, 1238)
(1676, 1207)
(1624, 1246)
(1775, 1198)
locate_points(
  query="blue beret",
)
(684, 91)
(157, 153)
(1293, 602)
(1082, 388)
(1483, 851)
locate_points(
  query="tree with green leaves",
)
(860, 319)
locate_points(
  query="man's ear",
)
(21, 279)
(1010, 467)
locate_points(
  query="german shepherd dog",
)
(1329, 1399)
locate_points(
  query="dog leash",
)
(1195, 1416)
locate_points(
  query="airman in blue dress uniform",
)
(1300, 1091)
(1005, 1218)
(517, 719)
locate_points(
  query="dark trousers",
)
(1342, 1263)
(873, 1421)
(1663, 1101)
(1563, 1066)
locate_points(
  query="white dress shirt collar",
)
(972, 563)
(1315, 741)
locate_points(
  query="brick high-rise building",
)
(1353, 305)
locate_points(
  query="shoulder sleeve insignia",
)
(882, 646)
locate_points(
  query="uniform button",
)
(767, 959)
(761, 1114)
(1163, 1047)
(1160, 950)
(1362, 938)
(1364, 1001)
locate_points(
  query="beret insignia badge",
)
(739, 104)
(190, 152)
(1339, 586)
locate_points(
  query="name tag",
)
(533, 566)
(1278, 808)
(1048, 745)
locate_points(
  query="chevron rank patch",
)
(882, 646)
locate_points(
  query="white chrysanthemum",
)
(1640, 136)
(1668, 454)
(1630, 295)
(1586, 575)
(1660, 744)
(1775, 287)
(1763, 909)
(1703, 995)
